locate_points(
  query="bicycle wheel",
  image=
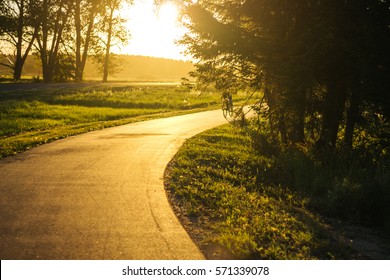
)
(225, 108)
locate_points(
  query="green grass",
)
(226, 195)
(32, 117)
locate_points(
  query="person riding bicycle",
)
(228, 101)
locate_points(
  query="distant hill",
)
(141, 68)
(132, 68)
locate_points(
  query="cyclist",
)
(227, 101)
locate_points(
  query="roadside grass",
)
(218, 188)
(32, 117)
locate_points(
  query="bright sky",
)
(153, 29)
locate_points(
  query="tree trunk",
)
(332, 115)
(282, 128)
(297, 134)
(77, 15)
(82, 49)
(49, 54)
(108, 46)
(18, 69)
(91, 21)
(43, 44)
(352, 115)
(19, 43)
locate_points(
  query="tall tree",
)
(113, 32)
(249, 37)
(305, 55)
(53, 23)
(85, 14)
(19, 33)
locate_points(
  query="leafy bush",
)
(349, 185)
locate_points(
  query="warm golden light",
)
(154, 29)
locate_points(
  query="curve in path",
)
(98, 195)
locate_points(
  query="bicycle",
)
(227, 105)
(238, 114)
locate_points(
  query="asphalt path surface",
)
(99, 195)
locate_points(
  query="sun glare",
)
(168, 13)
(154, 29)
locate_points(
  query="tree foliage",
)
(63, 33)
(17, 29)
(112, 32)
(85, 12)
(53, 24)
(316, 61)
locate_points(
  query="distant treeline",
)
(131, 68)
(64, 35)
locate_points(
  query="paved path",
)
(98, 195)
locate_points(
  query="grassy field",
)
(234, 201)
(30, 117)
